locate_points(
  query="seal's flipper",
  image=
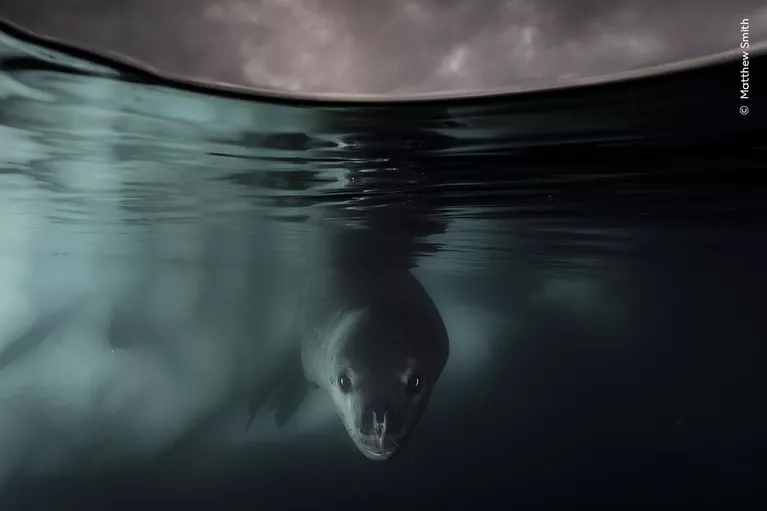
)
(280, 389)
(257, 401)
(292, 397)
(274, 402)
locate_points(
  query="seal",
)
(374, 340)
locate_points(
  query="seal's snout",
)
(376, 438)
(375, 418)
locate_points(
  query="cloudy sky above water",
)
(394, 46)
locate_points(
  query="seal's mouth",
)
(374, 454)
(374, 450)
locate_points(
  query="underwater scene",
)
(211, 299)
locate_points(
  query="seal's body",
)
(376, 343)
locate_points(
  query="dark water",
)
(597, 255)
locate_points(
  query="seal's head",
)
(382, 377)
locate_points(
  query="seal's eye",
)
(414, 384)
(344, 383)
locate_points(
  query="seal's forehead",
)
(411, 363)
(388, 364)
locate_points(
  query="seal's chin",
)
(372, 451)
(375, 454)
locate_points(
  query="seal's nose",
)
(375, 417)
